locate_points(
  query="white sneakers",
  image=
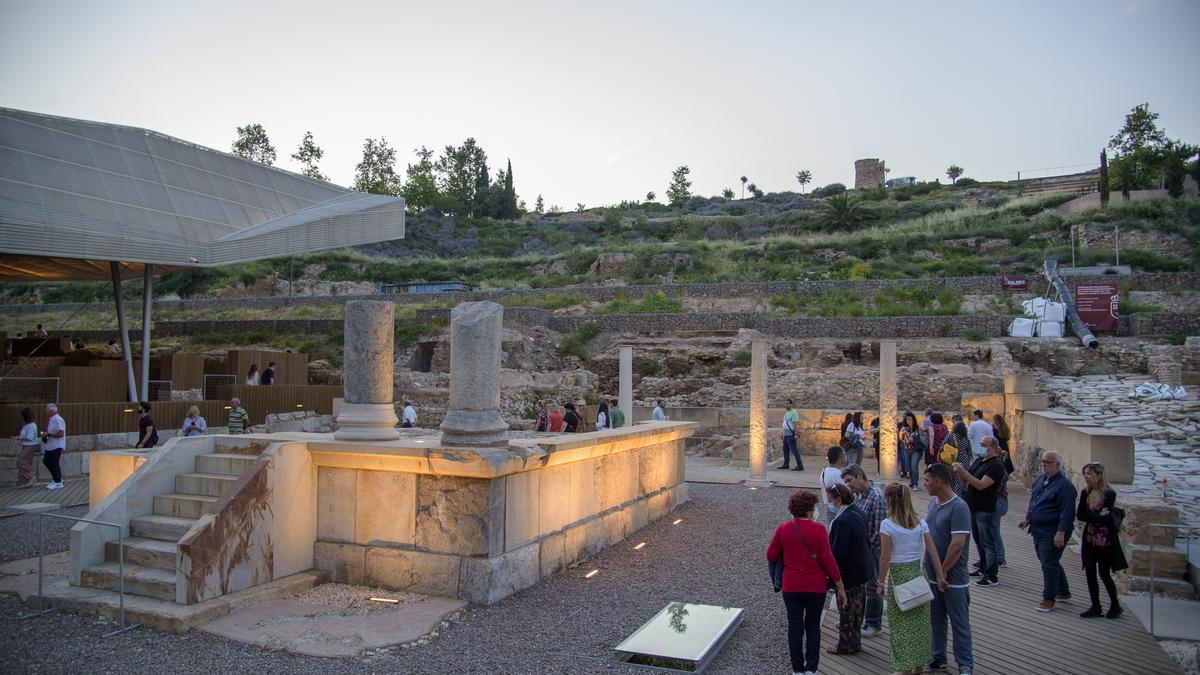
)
(54, 486)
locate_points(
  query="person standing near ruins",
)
(540, 420)
(935, 438)
(602, 421)
(618, 415)
(41, 333)
(962, 453)
(1001, 433)
(252, 376)
(28, 438)
(1101, 550)
(910, 449)
(238, 417)
(830, 476)
(1051, 519)
(790, 419)
(658, 415)
(857, 435)
(848, 540)
(408, 418)
(977, 431)
(901, 535)
(809, 570)
(571, 420)
(268, 375)
(949, 521)
(555, 419)
(193, 424)
(983, 480)
(147, 433)
(54, 441)
(870, 503)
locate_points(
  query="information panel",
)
(1097, 305)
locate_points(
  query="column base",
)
(759, 483)
(367, 422)
(474, 428)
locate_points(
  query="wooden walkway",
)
(73, 493)
(1010, 636)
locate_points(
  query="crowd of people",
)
(566, 418)
(874, 550)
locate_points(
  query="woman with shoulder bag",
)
(809, 570)
(1101, 550)
(848, 540)
(901, 535)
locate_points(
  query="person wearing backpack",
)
(147, 432)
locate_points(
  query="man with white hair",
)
(193, 424)
(54, 441)
(1050, 519)
(237, 416)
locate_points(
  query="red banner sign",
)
(1008, 283)
(1097, 305)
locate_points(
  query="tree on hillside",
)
(1104, 178)
(840, 212)
(1174, 170)
(754, 191)
(953, 173)
(460, 171)
(308, 154)
(420, 190)
(744, 179)
(1126, 178)
(727, 193)
(803, 178)
(508, 197)
(539, 206)
(1139, 131)
(252, 143)
(680, 188)
(580, 207)
(650, 196)
(376, 172)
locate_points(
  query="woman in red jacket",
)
(809, 570)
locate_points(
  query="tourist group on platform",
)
(872, 549)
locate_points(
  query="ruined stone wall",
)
(869, 173)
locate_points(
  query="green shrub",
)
(576, 343)
(649, 368)
(742, 357)
(976, 335)
(658, 303)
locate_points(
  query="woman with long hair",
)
(901, 535)
(1002, 434)
(1101, 551)
(252, 376)
(857, 436)
(30, 445)
(911, 448)
(809, 570)
(602, 422)
(936, 438)
(962, 444)
(848, 540)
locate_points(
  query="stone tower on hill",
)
(869, 173)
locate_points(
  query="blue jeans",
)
(1054, 579)
(1001, 511)
(914, 467)
(789, 446)
(988, 525)
(953, 604)
(873, 616)
(804, 626)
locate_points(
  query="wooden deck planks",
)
(73, 493)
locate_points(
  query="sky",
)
(597, 102)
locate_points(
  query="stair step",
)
(183, 506)
(165, 528)
(139, 580)
(209, 484)
(146, 552)
(226, 463)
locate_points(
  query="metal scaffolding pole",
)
(147, 292)
(115, 269)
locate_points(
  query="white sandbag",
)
(1033, 307)
(1054, 311)
(1180, 393)
(1021, 327)
(1050, 329)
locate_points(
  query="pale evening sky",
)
(597, 102)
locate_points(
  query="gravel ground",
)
(1186, 654)
(566, 624)
(19, 534)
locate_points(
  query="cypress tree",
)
(510, 195)
(1126, 177)
(1104, 177)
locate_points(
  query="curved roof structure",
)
(76, 195)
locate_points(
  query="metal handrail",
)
(1188, 548)
(120, 569)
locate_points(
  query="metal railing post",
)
(1151, 580)
(41, 596)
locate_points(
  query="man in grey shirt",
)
(949, 520)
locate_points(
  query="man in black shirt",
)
(571, 419)
(983, 490)
(268, 375)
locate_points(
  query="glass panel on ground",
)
(682, 637)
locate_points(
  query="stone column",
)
(367, 413)
(758, 415)
(887, 410)
(625, 392)
(473, 417)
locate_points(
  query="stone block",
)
(990, 404)
(679, 495)
(487, 580)
(1024, 402)
(71, 464)
(584, 540)
(386, 508)
(1019, 383)
(345, 563)
(617, 480)
(553, 554)
(658, 505)
(113, 441)
(584, 476)
(555, 494)
(461, 516)
(1169, 562)
(654, 465)
(522, 507)
(415, 571)
(82, 443)
(638, 517)
(337, 491)
(618, 525)
(1141, 512)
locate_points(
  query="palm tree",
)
(953, 173)
(753, 190)
(727, 193)
(803, 178)
(840, 212)
(743, 187)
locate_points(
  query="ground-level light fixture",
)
(639, 546)
(591, 574)
(387, 600)
(677, 521)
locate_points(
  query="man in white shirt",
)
(54, 441)
(408, 419)
(978, 431)
(658, 415)
(830, 476)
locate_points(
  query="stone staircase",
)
(151, 549)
